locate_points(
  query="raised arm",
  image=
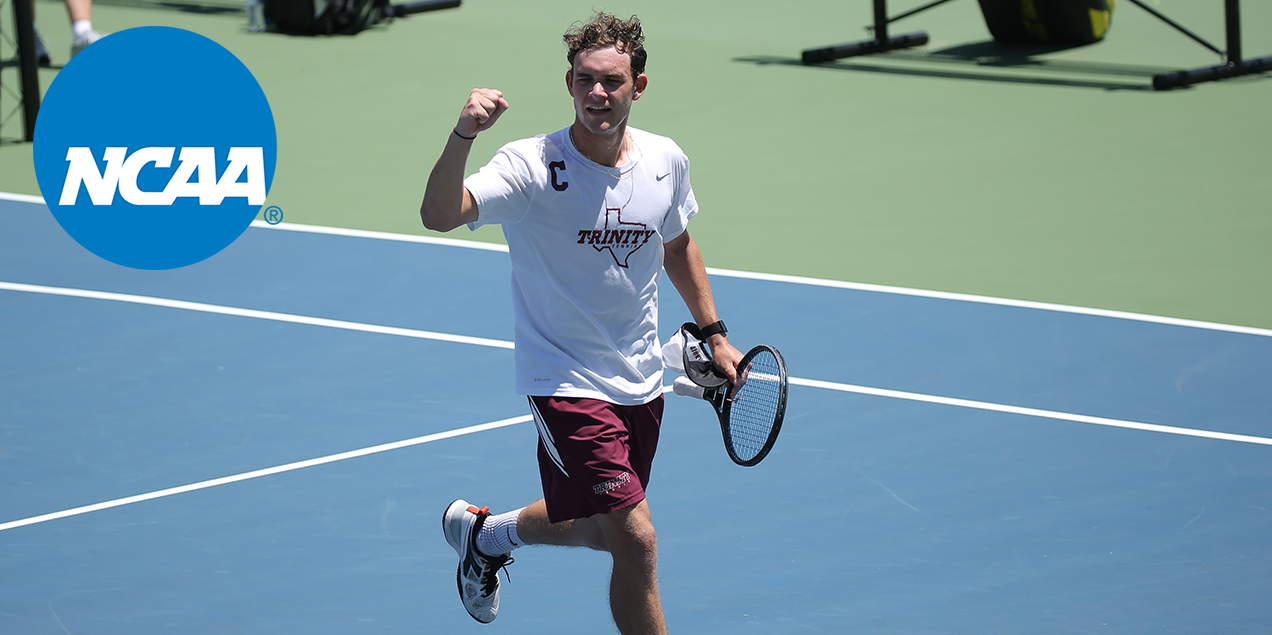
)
(684, 266)
(447, 203)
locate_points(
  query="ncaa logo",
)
(155, 148)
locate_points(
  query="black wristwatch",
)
(714, 328)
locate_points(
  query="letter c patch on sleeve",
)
(557, 185)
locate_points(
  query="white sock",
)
(498, 534)
(80, 28)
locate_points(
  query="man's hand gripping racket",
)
(751, 413)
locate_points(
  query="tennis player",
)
(591, 214)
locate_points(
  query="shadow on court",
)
(991, 57)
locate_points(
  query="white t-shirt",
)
(586, 242)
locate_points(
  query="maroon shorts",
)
(594, 456)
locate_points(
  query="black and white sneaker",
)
(478, 575)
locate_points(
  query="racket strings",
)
(753, 408)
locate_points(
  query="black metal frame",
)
(1235, 66)
(410, 8)
(28, 65)
(881, 41)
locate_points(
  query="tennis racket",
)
(750, 415)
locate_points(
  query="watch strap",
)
(714, 328)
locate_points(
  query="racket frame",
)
(722, 400)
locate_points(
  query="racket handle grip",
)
(686, 388)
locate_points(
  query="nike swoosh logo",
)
(659, 178)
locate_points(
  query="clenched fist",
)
(483, 108)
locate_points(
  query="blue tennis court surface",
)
(935, 505)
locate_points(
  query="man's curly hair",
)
(606, 30)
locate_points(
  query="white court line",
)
(269, 471)
(1028, 412)
(811, 383)
(362, 233)
(461, 339)
(767, 277)
(801, 280)
(21, 198)
(979, 299)
(265, 472)
(253, 313)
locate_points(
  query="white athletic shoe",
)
(478, 575)
(83, 41)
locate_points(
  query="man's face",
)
(603, 88)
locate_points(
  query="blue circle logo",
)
(155, 148)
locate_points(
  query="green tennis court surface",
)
(980, 172)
